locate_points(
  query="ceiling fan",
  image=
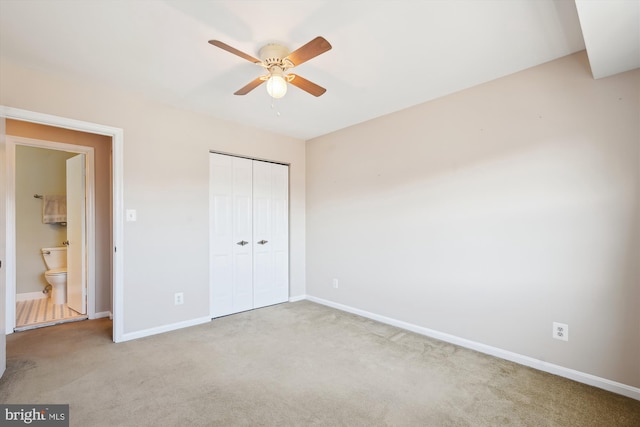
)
(277, 59)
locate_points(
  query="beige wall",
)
(491, 213)
(102, 193)
(166, 178)
(38, 171)
(3, 257)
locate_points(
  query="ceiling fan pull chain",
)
(273, 106)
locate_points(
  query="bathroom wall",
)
(102, 157)
(38, 171)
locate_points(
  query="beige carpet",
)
(296, 364)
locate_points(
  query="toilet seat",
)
(56, 272)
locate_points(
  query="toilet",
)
(56, 274)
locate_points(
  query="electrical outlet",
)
(561, 331)
(178, 298)
(335, 283)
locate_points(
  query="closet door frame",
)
(221, 296)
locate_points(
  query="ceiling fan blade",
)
(249, 87)
(235, 51)
(310, 50)
(306, 85)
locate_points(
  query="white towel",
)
(54, 209)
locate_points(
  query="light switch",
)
(131, 214)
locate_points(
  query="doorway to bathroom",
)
(108, 300)
(41, 166)
(51, 244)
(52, 223)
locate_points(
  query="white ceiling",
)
(386, 56)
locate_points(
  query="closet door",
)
(271, 233)
(249, 234)
(231, 210)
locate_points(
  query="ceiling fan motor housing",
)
(273, 55)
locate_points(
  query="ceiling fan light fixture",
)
(276, 85)
(277, 60)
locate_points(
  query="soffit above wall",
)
(611, 32)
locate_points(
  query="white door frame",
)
(10, 196)
(117, 136)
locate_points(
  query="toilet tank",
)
(55, 257)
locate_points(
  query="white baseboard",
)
(27, 296)
(103, 314)
(581, 377)
(166, 328)
(297, 298)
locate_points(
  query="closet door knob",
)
(262, 242)
(242, 243)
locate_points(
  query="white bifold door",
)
(249, 233)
